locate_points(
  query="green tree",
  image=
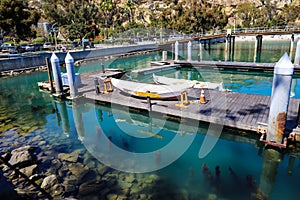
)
(246, 12)
(106, 7)
(76, 17)
(16, 19)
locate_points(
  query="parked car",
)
(30, 47)
(47, 45)
(21, 48)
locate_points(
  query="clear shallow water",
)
(63, 125)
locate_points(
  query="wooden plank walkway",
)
(236, 110)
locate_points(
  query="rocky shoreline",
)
(39, 171)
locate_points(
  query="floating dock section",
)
(235, 110)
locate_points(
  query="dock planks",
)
(235, 110)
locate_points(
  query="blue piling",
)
(283, 72)
(71, 75)
(56, 73)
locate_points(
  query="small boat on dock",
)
(193, 83)
(154, 91)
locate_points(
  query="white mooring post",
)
(71, 75)
(296, 62)
(292, 47)
(56, 73)
(164, 55)
(283, 72)
(189, 48)
(176, 50)
(297, 53)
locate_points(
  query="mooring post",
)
(49, 70)
(176, 50)
(172, 51)
(164, 55)
(258, 46)
(71, 75)
(56, 73)
(189, 48)
(283, 72)
(102, 67)
(232, 47)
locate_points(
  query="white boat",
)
(152, 90)
(193, 83)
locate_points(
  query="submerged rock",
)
(29, 171)
(22, 157)
(49, 182)
(73, 157)
(91, 187)
(79, 170)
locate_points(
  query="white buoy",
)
(283, 72)
(56, 73)
(71, 75)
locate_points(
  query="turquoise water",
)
(67, 127)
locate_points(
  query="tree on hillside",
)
(288, 15)
(106, 7)
(76, 17)
(16, 19)
(246, 12)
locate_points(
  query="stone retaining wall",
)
(36, 60)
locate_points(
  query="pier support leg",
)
(281, 88)
(71, 75)
(200, 51)
(172, 51)
(258, 47)
(232, 48)
(56, 73)
(49, 70)
(189, 48)
(297, 54)
(176, 50)
(229, 47)
(102, 67)
(164, 55)
(292, 46)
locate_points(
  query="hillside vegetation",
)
(75, 19)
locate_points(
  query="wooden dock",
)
(235, 110)
(222, 65)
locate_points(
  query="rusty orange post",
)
(283, 72)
